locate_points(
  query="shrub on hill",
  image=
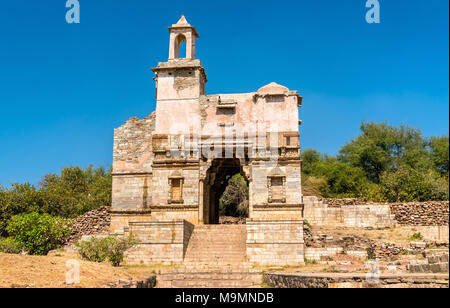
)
(38, 233)
(10, 245)
(98, 249)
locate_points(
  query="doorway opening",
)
(226, 193)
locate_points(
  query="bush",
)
(314, 185)
(94, 249)
(416, 237)
(10, 245)
(307, 224)
(117, 247)
(111, 248)
(38, 233)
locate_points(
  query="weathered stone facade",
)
(169, 169)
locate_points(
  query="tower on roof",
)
(182, 32)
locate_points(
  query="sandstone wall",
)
(119, 220)
(132, 164)
(361, 214)
(275, 242)
(282, 280)
(376, 216)
(431, 233)
(160, 242)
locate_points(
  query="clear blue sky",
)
(65, 87)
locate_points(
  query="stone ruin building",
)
(170, 168)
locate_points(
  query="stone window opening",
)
(277, 189)
(179, 51)
(288, 141)
(176, 190)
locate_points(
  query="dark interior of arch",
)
(224, 169)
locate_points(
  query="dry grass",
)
(50, 272)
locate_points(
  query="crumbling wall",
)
(354, 280)
(91, 223)
(133, 145)
(432, 213)
(132, 166)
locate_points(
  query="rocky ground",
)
(393, 249)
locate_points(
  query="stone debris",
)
(385, 251)
(432, 213)
(435, 262)
(147, 283)
(91, 223)
(228, 220)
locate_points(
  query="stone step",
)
(212, 257)
(429, 268)
(217, 237)
(215, 279)
(217, 244)
(219, 267)
(227, 247)
(214, 253)
(219, 248)
(437, 259)
(202, 283)
(215, 258)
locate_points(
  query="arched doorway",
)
(217, 178)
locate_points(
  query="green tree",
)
(342, 179)
(310, 157)
(410, 184)
(76, 191)
(234, 200)
(38, 233)
(20, 198)
(439, 149)
(381, 147)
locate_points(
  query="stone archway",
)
(215, 184)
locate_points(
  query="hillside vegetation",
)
(384, 163)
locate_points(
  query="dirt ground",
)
(22, 271)
(399, 235)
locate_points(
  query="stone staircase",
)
(217, 244)
(435, 261)
(215, 258)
